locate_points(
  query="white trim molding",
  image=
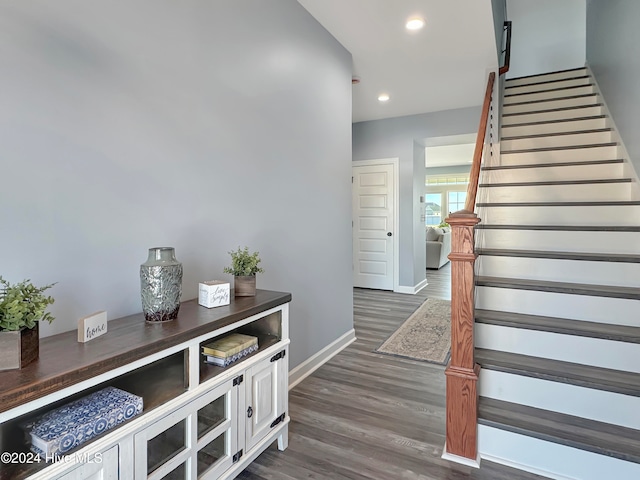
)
(311, 364)
(395, 162)
(412, 290)
(458, 459)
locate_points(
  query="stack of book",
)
(229, 349)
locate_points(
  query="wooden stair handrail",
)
(507, 51)
(462, 371)
(474, 175)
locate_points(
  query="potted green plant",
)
(244, 266)
(22, 306)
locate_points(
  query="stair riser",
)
(623, 215)
(551, 104)
(552, 270)
(549, 86)
(548, 116)
(615, 311)
(545, 95)
(556, 141)
(567, 348)
(560, 241)
(551, 156)
(561, 397)
(577, 172)
(569, 126)
(550, 459)
(545, 78)
(558, 193)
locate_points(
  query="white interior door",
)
(373, 221)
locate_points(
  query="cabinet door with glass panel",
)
(196, 441)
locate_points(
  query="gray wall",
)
(403, 137)
(548, 35)
(198, 125)
(499, 8)
(613, 39)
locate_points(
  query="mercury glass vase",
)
(161, 285)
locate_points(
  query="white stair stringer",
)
(558, 287)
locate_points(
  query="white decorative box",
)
(64, 428)
(214, 293)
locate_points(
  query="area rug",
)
(425, 335)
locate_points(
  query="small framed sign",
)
(92, 326)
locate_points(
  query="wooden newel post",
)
(462, 371)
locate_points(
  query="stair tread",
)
(545, 74)
(611, 291)
(553, 99)
(558, 182)
(561, 120)
(580, 328)
(598, 378)
(557, 80)
(561, 147)
(598, 437)
(561, 228)
(557, 89)
(554, 164)
(549, 110)
(558, 134)
(590, 257)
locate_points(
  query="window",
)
(456, 201)
(433, 208)
(433, 180)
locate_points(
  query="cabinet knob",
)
(389, 234)
(249, 412)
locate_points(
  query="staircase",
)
(557, 319)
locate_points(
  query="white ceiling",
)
(441, 67)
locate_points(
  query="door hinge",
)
(238, 380)
(277, 420)
(237, 456)
(278, 356)
(351, 179)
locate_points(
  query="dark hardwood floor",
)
(364, 415)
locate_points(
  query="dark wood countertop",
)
(63, 361)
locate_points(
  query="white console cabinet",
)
(199, 421)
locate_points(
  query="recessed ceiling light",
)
(415, 23)
(383, 97)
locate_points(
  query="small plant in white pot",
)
(22, 306)
(244, 266)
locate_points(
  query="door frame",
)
(395, 163)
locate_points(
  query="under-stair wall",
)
(557, 320)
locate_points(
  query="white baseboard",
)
(314, 362)
(412, 290)
(458, 459)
